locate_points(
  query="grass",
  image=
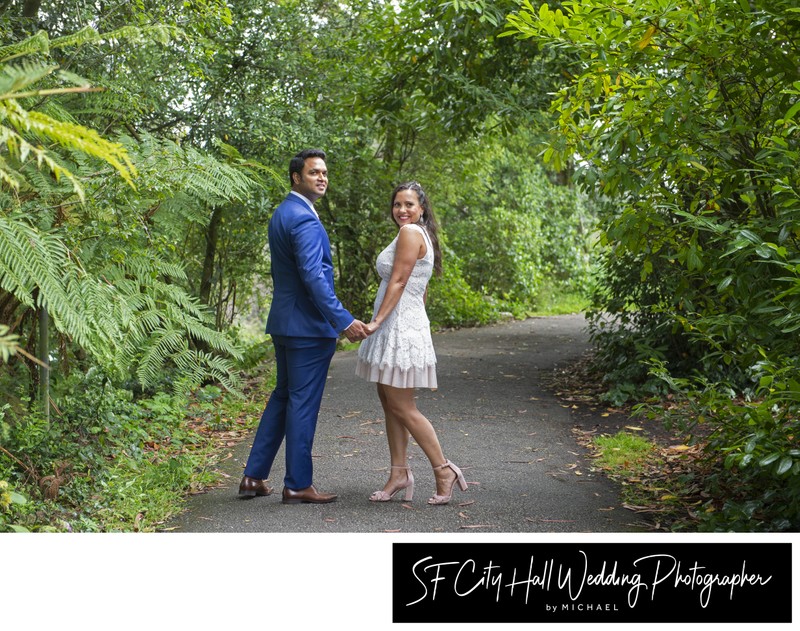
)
(628, 459)
(624, 453)
(654, 480)
(553, 301)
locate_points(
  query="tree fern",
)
(161, 319)
(120, 298)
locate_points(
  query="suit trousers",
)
(292, 410)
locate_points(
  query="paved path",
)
(511, 438)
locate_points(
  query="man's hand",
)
(356, 331)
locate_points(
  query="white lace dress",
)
(400, 353)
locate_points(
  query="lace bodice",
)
(415, 288)
(400, 352)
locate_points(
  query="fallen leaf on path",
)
(478, 526)
(467, 503)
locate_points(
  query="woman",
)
(398, 354)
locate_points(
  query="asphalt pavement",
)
(495, 419)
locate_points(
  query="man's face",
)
(313, 181)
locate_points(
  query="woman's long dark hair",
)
(426, 220)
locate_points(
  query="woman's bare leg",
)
(397, 436)
(400, 405)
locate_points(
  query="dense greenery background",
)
(642, 155)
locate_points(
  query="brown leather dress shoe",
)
(250, 487)
(307, 496)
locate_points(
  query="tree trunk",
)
(212, 236)
(31, 9)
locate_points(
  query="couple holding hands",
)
(305, 320)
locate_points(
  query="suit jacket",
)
(304, 303)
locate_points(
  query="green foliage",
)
(513, 230)
(684, 118)
(754, 484)
(9, 501)
(453, 303)
(201, 105)
(110, 461)
(683, 127)
(21, 127)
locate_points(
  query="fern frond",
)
(234, 157)
(8, 343)
(33, 260)
(86, 35)
(71, 136)
(74, 79)
(38, 43)
(19, 147)
(214, 181)
(160, 320)
(164, 344)
(9, 175)
(18, 77)
(162, 33)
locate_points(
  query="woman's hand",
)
(371, 327)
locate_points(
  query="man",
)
(304, 321)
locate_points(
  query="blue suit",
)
(304, 320)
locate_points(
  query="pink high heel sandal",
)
(462, 484)
(383, 496)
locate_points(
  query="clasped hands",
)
(360, 330)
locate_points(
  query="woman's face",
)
(406, 208)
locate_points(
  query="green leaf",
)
(792, 111)
(768, 460)
(784, 465)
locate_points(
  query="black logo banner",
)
(596, 582)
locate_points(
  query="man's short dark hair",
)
(298, 162)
